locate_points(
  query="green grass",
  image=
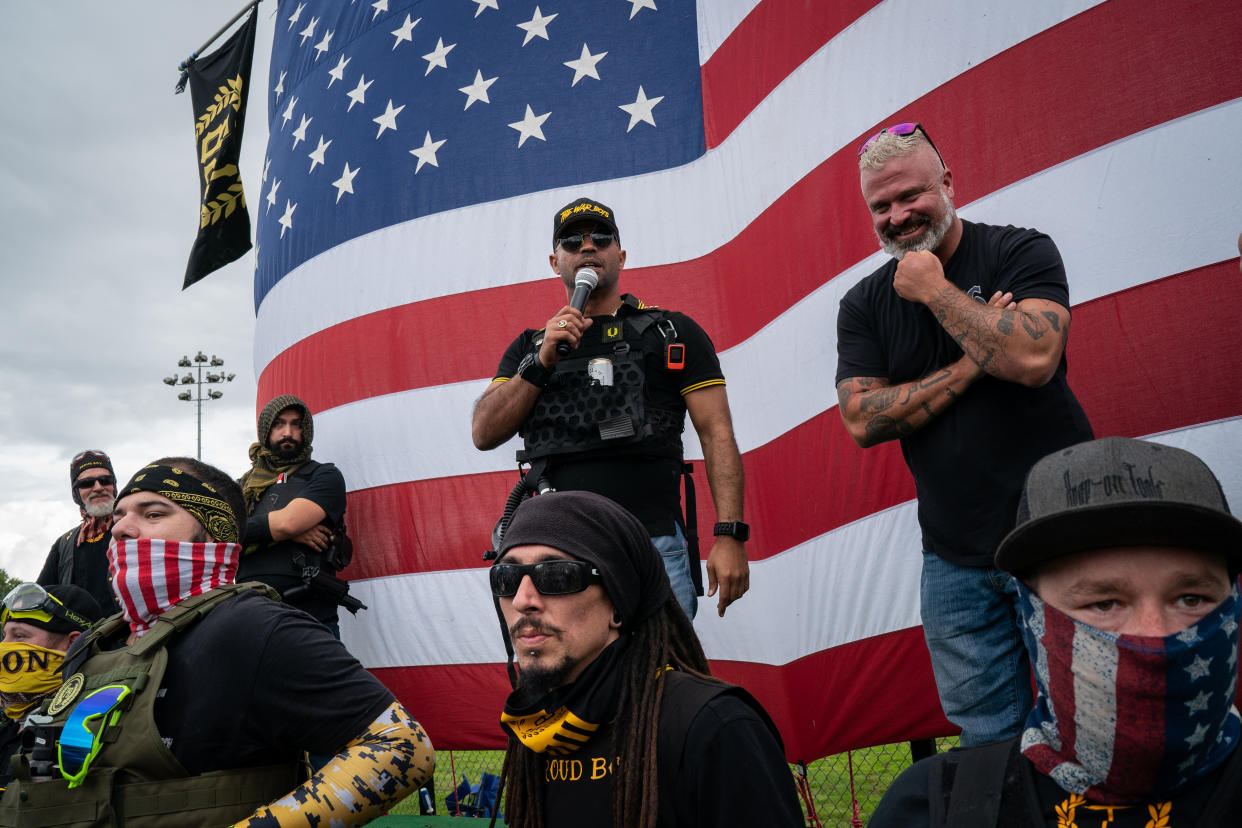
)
(829, 778)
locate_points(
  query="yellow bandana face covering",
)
(27, 674)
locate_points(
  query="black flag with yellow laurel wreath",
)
(219, 84)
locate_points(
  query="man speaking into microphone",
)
(600, 396)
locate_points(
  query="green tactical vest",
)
(135, 781)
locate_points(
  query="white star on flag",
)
(635, 5)
(584, 65)
(316, 155)
(309, 31)
(537, 26)
(286, 221)
(379, 6)
(484, 4)
(530, 126)
(345, 184)
(426, 154)
(640, 110)
(271, 195)
(337, 73)
(359, 93)
(267, 165)
(477, 91)
(299, 134)
(406, 32)
(1199, 668)
(280, 85)
(288, 112)
(293, 18)
(323, 45)
(389, 119)
(436, 57)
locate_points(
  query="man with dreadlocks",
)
(78, 556)
(295, 533)
(611, 676)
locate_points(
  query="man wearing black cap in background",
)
(607, 414)
(611, 677)
(39, 625)
(79, 556)
(294, 536)
(1127, 558)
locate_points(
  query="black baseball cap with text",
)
(583, 209)
(1118, 492)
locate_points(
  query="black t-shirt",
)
(732, 773)
(256, 683)
(970, 461)
(906, 803)
(90, 568)
(648, 486)
(273, 565)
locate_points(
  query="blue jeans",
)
(672, 549)
(982, 668)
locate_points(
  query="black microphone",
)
(585, 281)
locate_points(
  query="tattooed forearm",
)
(883, 428)
(879, 400)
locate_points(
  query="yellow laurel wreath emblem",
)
(66, 694)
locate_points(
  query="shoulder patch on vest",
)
(66, 694)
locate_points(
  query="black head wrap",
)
(198, 498)
(594, 529)
(89, 459)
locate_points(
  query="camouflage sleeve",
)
(390, 759)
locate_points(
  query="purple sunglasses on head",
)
(902, 131)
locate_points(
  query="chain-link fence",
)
(840, 790)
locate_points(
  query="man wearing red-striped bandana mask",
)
(249, 685)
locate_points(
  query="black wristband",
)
(733, 529)
(257, 530)
(535, 373)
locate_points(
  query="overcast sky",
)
(98, 209)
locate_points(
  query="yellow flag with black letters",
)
(219, 86)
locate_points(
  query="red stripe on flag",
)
(1082, 70)
(1142, 719)
(842, 681)
(774, 40)
(1127, 367)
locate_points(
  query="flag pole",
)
(184, 65)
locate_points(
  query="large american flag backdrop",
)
(418, 150)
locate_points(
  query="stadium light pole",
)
(200, 362)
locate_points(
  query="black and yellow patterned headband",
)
(191, 494)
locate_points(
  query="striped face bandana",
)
(152, 576)
(1124, 718)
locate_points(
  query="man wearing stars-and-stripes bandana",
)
(1127, 558)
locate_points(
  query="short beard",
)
(98, 509)
(930, 240)
(287, 453)
(536, 680)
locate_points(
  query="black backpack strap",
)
(1225, 804)
(684, 696)
(692, 530)
(970, 794)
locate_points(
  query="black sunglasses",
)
(902, 131)
(549, 577)
(104, 480)
(573, 242)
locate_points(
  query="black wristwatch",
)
(734, 529)
(532, 371)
